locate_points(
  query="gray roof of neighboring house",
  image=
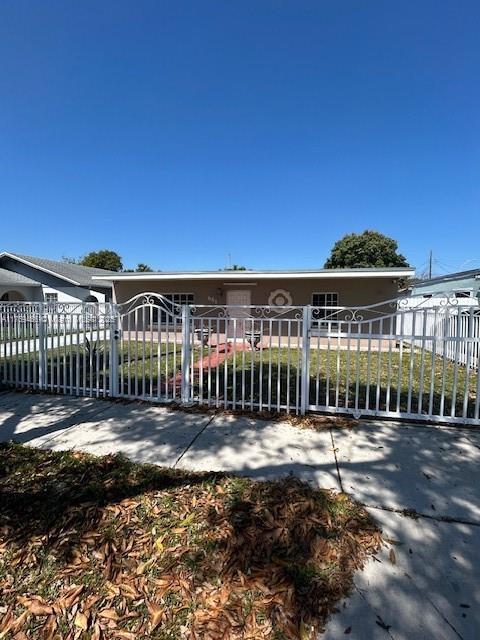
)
(449, 277)
(74, 273)
(11, 278)
(449, 283)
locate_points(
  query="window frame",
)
(334, 295)
(161, 317)
(321, 309)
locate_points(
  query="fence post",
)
(186, 345)
(115, 329)
(42, 349)
(305, 371)
(3, 347)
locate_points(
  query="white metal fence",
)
(61, 347)
(391, 359)
(445, 320)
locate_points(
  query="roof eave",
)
(450, 277)
(251, 275)
(14, 283)
(36, 266)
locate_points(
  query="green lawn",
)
(353, 371)
(87, 365)
(271, 378)
(157, 364)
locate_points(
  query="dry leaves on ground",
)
(315, 421)
(103, 548)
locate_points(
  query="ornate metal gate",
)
(150, 346)
(405, 358)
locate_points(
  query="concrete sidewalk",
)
(428, 588)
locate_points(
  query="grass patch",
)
(268, 380)
(99, 547)
(271, 379)
(87, 366)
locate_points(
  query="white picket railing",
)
(62, 347)
(451, 328)
(394, 359)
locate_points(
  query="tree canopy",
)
(367, 249)
(103, 259)
(142, 267)
(106, 259)
(234, 267)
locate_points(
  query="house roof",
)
(449, 277)
(11, 278)
(262, 275)
(73, 273)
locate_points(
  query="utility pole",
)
(430, 260)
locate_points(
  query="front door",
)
(237, 299)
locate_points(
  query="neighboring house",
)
(323, 287)
(463, 284)
(26, 278)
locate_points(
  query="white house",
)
(26, 278)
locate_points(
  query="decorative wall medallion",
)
(280, 298)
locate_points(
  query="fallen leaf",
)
(188, 520)
(159, 544)
(143, 566)
(393, 541)
(71, 597)
(392, 557)
(37, 607)
(128, 591)
(305, 631)
(156, 614)
(110, 614)
(81, 621)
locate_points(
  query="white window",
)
(51, 297)
(176, 298)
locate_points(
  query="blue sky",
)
(177, 133)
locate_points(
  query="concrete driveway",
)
(421, 483)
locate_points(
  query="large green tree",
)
(103, 259)
(367, 249)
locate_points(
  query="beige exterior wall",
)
(351, 291)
